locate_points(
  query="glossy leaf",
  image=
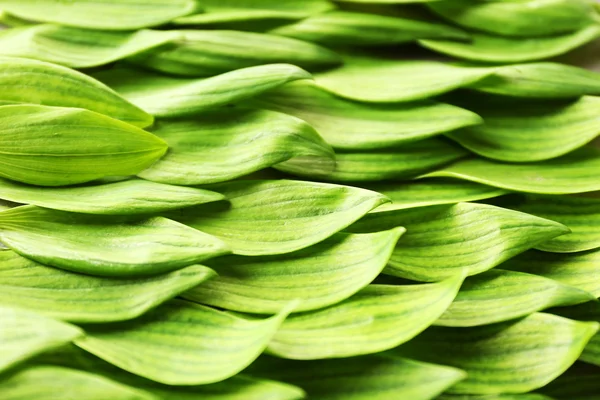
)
(97, 245)
(128, 197)
(29, 81)
(83, 298)
(319, 276)
(377, 318)
(206, 345)
(572, 173)
(95, 14)
(226, 144)
(174, 97)
(355, 126)
(498, 295)
(53, 146)
(509, 357)
(280, 216)
(443, 240)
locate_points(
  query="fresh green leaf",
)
(509, 357)
(83, 298)
(527, 396)
(225, 144)
(99, 245)
(54, 146)
(319, 276)
(182, 343)
(580, 382)
(278, 217)
(443, 240)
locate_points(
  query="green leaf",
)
(43, 382)
(204, 345)
(83, 298)
(225, 144)
(580, 382)
(403, 162)
(98, 245)
(518, 18)
(356, 126)
(78, 48)
(496, 49)
(96, 14)
(212, 52)
(527, 131)
(509, 357)
(25, 334)
(175, 97)
(53, 146)
(441, 241)
(571, 173)
(319, 276)
(497, 295)
(587, 312)
(279, 216)
(527, 396)
(133, 196)
(29, 81)
(377, 318)
(361, 378)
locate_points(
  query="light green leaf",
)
(498, 295)
(572, 173)
(377, 318)
(351, 125)
(78, 48)
(225, 144)
(45, 382)
(586, 312)
(205, 345)
(83, 298)
(441, 241)
(509, 357)
(175, 97)
(212, 52)
(361, 378)
(54, 146)
(403, 162)
(498, 49)
(128, 197)
(99, 245)
(527, 131)
(279, 216)
(97, 14)
(518, 18)
(25, 334)
(527, 396)
(319, 276)
(29, 81)
(580, 382)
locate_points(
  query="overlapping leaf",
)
(580, 382)
(97, 245)
(443, 240)
(277, 217)
(319, 276)
(526, 396)
(226, 144)
(586, 312)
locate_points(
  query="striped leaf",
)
(443, 240)
(134, 196)
(278, 217)
(377, 318)
(226, 144)
(498, 295)
(357, 126)
(83, 298)
(96, 14)
(509, 357)
(586, 312)
(319, 276)
(175, 97)
(29, 81)
(54, 146)
(526, 396)
(206, 345)
(580, 382)
(98, 245)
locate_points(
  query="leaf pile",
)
(252, 200)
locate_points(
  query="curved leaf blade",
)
(580, 382)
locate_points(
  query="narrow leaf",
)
(526, 396)
(580, 382)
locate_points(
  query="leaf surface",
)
(580, 382)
